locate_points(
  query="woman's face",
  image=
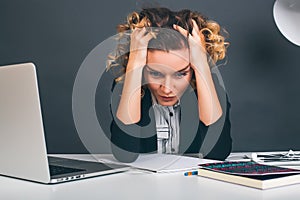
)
(168, 74)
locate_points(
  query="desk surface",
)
(136, 184)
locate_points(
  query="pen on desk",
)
(191, 173)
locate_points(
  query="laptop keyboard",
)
(57, 170)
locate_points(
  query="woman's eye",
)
(180, 74)
(156, 74)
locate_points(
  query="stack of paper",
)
(161, 163)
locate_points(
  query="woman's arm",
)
(129, 110)
(208, 103)
(126, 140)
(223, 147)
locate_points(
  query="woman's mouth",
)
(167, 99)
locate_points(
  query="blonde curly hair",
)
(151, 18)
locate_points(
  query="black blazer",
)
(213, 142)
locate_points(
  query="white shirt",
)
(167, 127)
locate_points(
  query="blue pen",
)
(191, 173)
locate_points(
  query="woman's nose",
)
(166, 86)
(165, 89)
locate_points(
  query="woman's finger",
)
(140, 40)
(181, 30)
(197, 35)
(195, 27)
(195, 31)
(138, 32)
(148, 36)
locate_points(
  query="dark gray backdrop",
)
(261, 74)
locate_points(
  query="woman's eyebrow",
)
(184, 68)
(149, 68)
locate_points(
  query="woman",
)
(164, 67)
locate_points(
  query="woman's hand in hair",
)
(129, 110)
(139, 40)
(198, 54)
(208, 103)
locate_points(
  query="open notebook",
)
(159, 163)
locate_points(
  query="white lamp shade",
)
(287, 18)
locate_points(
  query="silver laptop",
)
(23, 152)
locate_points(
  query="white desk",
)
(140, 185)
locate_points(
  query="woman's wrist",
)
(200, 66)
(136, 60)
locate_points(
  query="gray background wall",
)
(261, 74)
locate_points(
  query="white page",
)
(161, 163)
